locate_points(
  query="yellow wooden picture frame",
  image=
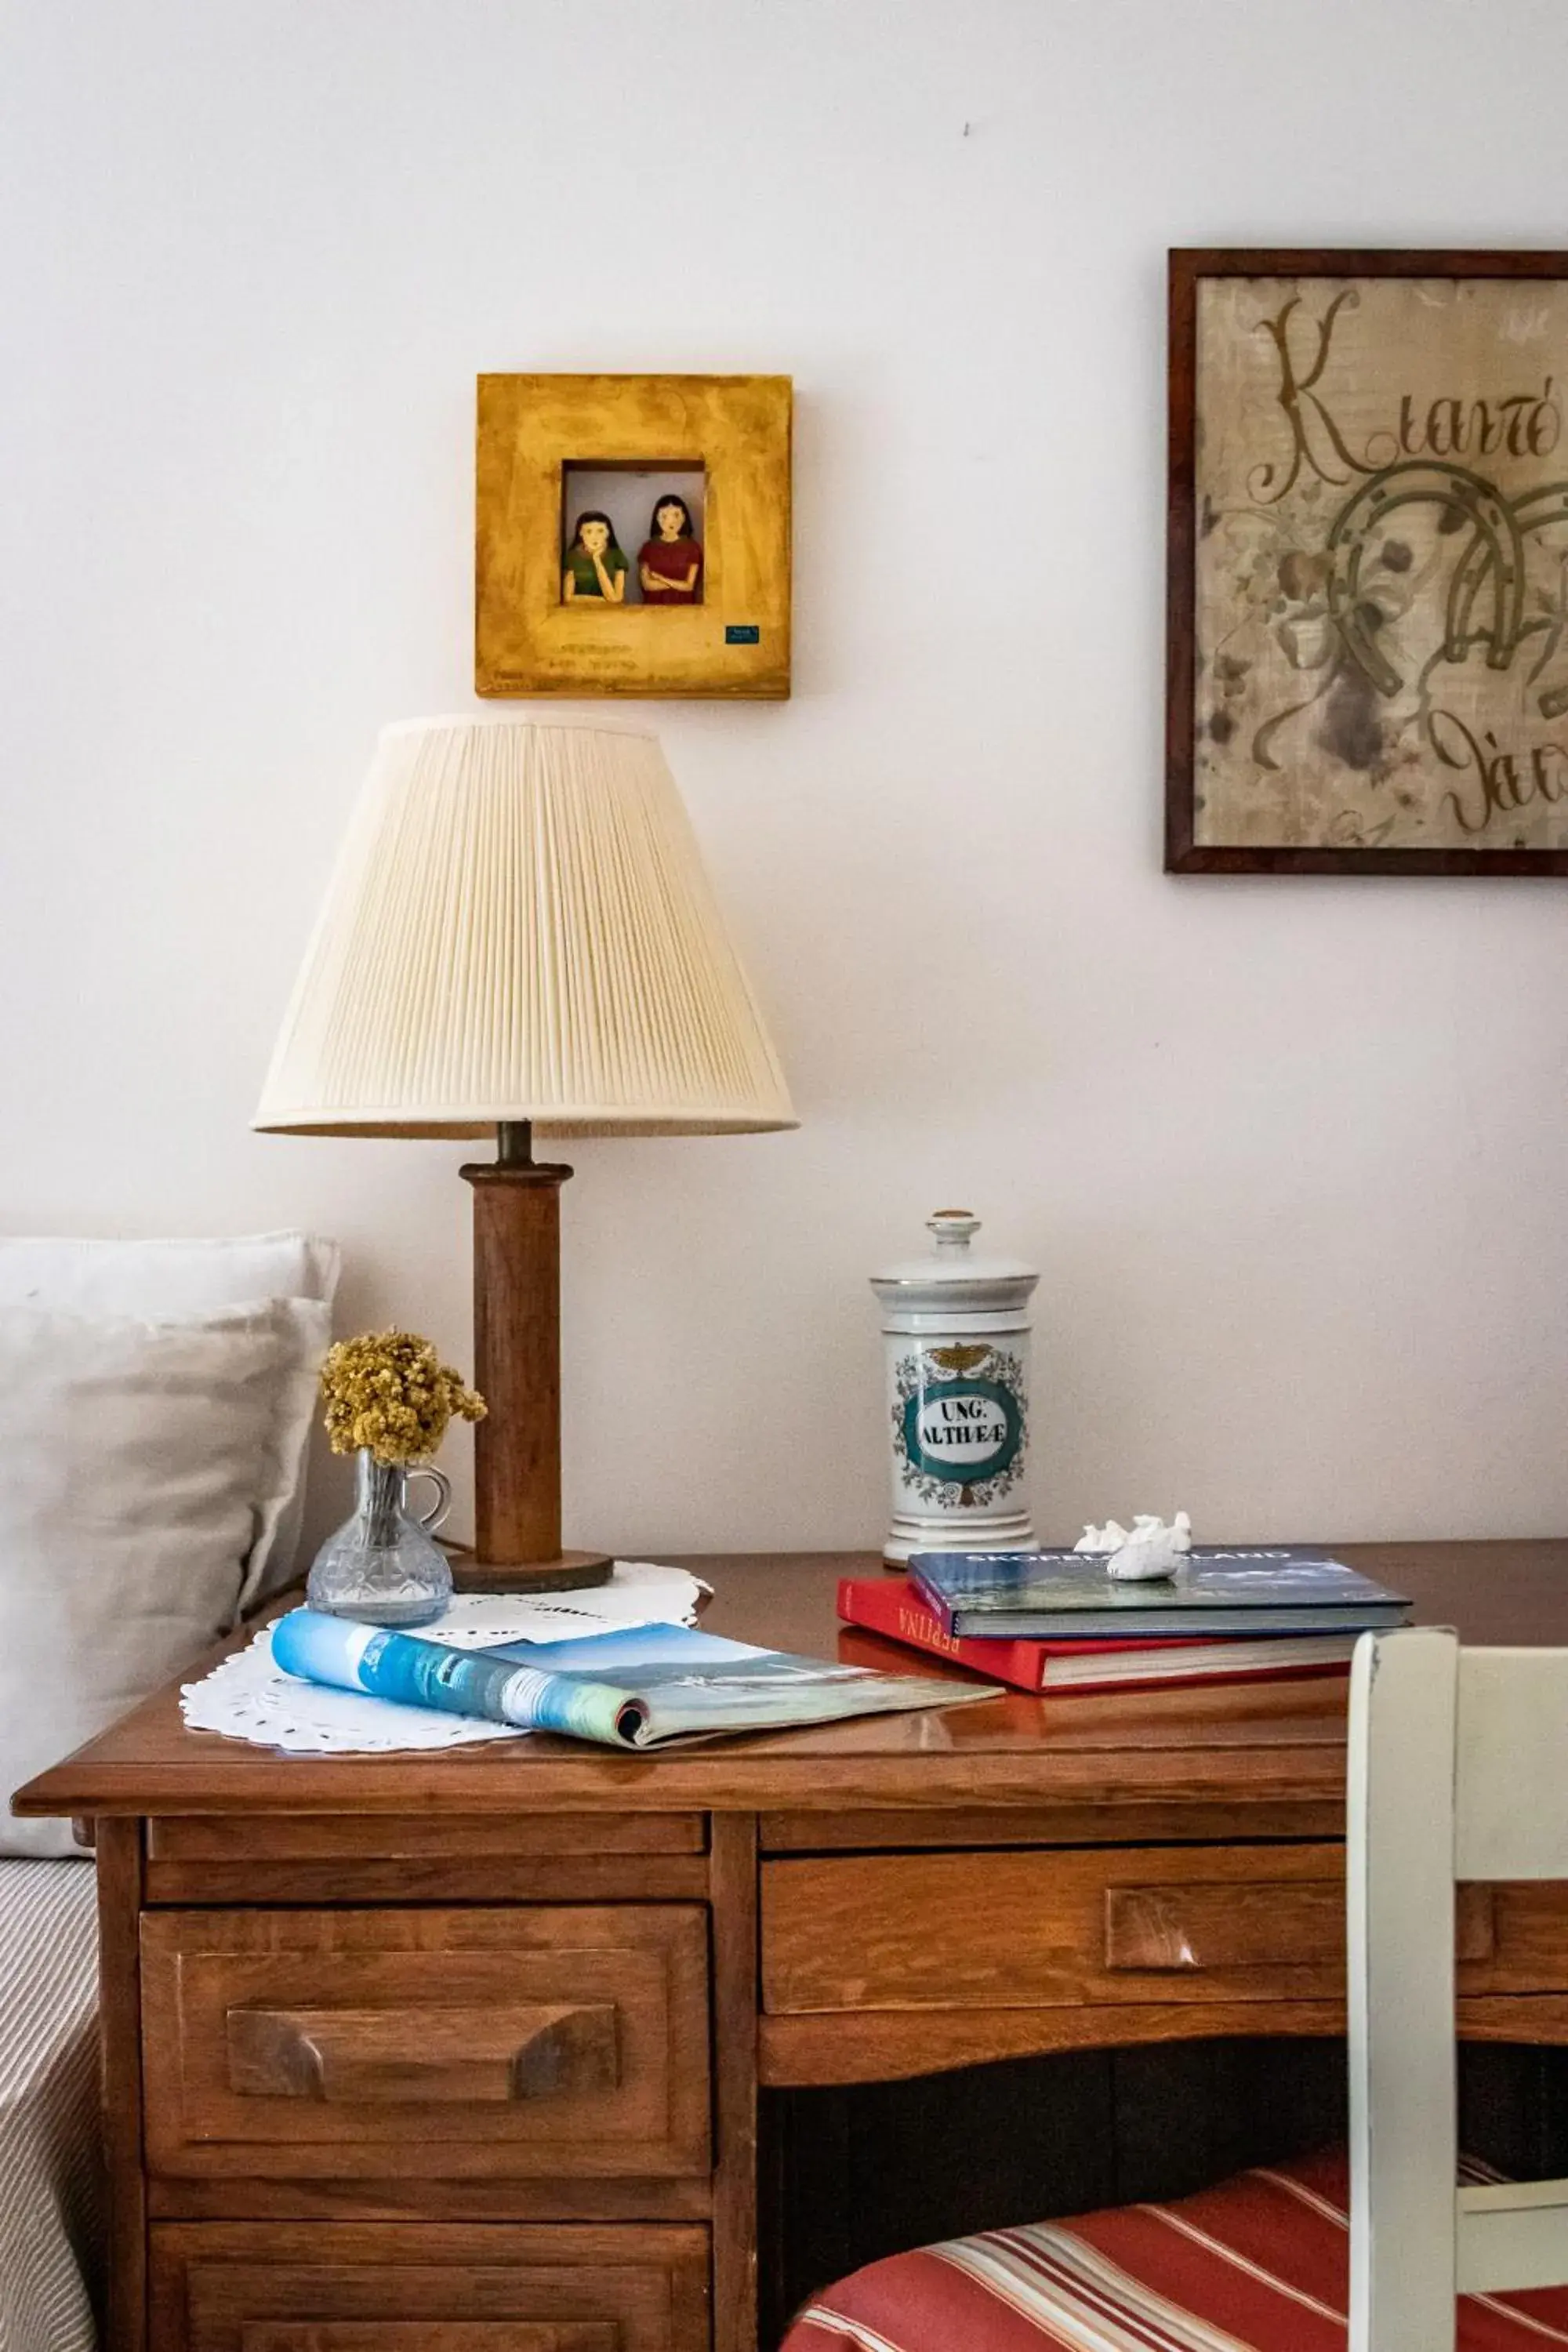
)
(532, 430)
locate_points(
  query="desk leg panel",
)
(734, 1890)
(120, 1847)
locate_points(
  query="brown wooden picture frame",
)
(534, 431)
(1504, 780)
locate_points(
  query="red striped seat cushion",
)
(1259, 2265)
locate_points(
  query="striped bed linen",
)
(1259, 2265)
(50, 2145)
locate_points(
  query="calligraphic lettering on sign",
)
(1379, 561)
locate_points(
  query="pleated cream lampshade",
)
(519, 928)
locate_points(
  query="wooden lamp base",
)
(517, 1370)
(570, 1572)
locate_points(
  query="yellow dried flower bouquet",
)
(389, 1392)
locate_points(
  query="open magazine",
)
(634, 1687)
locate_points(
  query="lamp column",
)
(517, 1369)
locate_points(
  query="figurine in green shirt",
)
(595, 566)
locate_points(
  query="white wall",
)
(1290, 1153)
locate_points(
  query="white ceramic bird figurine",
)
(1150, 1550)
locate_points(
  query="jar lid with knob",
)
(953, 1263)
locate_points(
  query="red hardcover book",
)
(891, 1606)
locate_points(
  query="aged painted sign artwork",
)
(1375, 669)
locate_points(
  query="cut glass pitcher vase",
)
(383, 1567)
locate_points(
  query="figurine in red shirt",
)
(670, 563)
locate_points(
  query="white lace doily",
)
(247, 1697)
(638, 1593)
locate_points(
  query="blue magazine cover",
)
(629, 1688)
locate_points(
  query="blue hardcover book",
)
(632, 1688)
(1055, 1595)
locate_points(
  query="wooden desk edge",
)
(219, 1781)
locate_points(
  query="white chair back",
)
(1458, 1770)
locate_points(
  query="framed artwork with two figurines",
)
(633, 535)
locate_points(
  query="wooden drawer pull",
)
(422, 2056)
(1269, 1924)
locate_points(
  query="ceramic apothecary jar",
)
(955, 1329)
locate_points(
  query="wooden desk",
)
(462, 2052)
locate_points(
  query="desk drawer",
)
(1034, 1929)
(382, 2044)
(369, 1859)
(420, 2287)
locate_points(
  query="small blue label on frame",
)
(742, 632)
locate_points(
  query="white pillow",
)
(165, 1277)
(145, 1462)
(156, 1278)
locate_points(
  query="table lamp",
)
(520, 940)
